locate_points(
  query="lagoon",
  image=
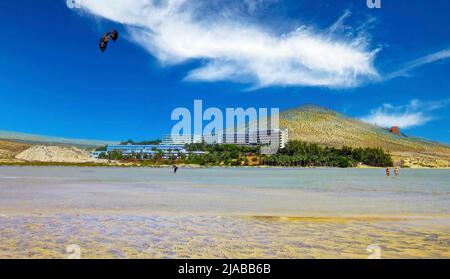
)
(223, 212)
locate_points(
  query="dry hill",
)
(9, 149)
(329, 128)
(55, 154)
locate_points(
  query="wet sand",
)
(222, 213)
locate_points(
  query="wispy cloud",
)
(230, 47)
(415, 113)
(339, 24)
(428, 59)
(253, 6)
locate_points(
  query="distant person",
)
(388, 172)
(396, 171)
(175, 169)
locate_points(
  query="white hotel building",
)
(174, 144)
(279, 137)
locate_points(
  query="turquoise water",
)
(223, 213)
(247, 191)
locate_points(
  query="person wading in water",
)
(388, 172)
(396, 171)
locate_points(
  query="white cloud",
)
(415, 113)
(231, 47)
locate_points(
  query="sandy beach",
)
(223, 213)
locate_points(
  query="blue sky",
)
(385, 66)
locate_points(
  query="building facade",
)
(149, 150)
(279, 137)
(172, 145)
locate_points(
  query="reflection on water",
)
(223, 213)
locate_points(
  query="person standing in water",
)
(396, 171)
(388, 172)
(175, 168)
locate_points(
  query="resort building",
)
(174, 145)
(279, 137)
(177, 140)
(150, 150)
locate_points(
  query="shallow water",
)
(245, 213)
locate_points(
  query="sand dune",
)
(57, 154)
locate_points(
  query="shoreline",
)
(188, 166)
(6, 213)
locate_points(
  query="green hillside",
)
(329, 128)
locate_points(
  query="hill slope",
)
(9, 149)
(46, 140)
(329, 128)
(56, 154)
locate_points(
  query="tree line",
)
(303, 154)
(295, 154)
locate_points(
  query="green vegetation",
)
(113, 155)
(296, 154)
(221, 154)
(302, 154)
